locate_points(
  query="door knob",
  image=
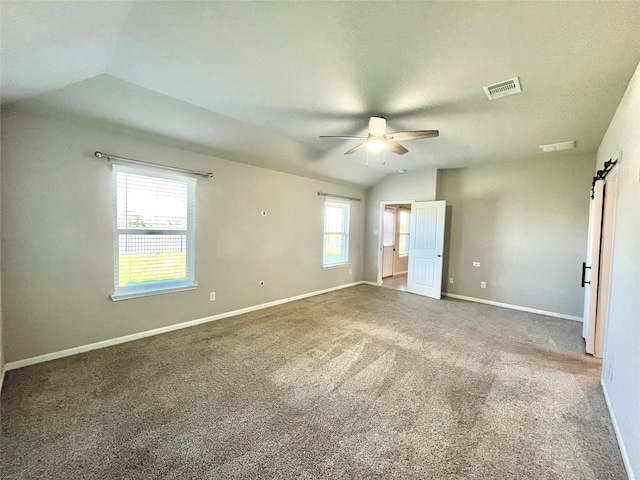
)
(439, 254)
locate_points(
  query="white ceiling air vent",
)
(502, 89)
(554, 147)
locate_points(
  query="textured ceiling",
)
(258, 82)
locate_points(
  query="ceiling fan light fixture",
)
(376, 144)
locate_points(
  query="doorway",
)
(411, 243)
(395, 245)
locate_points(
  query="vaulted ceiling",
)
(259, 82)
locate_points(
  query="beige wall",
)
(57, 250)
(419, 185)
(526, 223)
(621, 365)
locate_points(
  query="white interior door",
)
(606, 255)
(426, 241)
(593, 261)
(586, 274)
(388, 241)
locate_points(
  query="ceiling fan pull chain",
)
(367, 157)
(384, 157)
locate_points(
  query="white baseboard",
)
(623, 450)
(157, 331)
(374, 284)
(4, 370)
(513, 307)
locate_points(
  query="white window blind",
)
(403, 233)
(336, 233)
(154, 225)
(389, 229)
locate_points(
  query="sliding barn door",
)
(593, 261)
(606, 257)
(426, 242)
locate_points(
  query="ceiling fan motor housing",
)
(377, 126)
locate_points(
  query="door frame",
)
(394, 209)
(380, 226)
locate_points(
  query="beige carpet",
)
(360, 383)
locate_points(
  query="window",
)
(336, 233)
(153, 232)
(389, 228)
(403, 233)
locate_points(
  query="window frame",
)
(144, 289)
(401, 233)
(346, 220)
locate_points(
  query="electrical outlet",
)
(350, 272)
(476, 264)
(450, 279)
(212, 296)
(483, 284)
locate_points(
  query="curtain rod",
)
(149, 164)
(338, 196)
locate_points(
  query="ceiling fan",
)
(377, 141)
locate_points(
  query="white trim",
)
(623, 450)
(337, 265)
(514, 307)
(4, 370)
(374, 284)
(116, 297)
(169, 328)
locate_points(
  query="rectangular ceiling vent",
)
(554, 147)
(502, 89)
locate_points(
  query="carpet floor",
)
(364, 382)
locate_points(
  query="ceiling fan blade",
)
(343, 136)
(377, 126)
(396, 148)
(402, 136)
(362, 146)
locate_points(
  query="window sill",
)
(338, 265)
(116, 297)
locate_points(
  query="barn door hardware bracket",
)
(601, 174)
(584, 271)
